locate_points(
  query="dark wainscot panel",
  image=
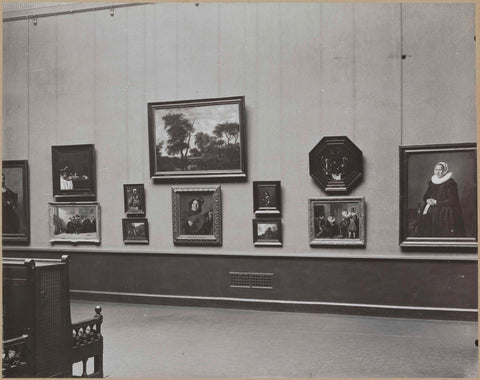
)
(443, 289)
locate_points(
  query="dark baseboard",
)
(280, 305)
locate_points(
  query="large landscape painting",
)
(197, 139)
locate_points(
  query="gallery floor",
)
(145, 341)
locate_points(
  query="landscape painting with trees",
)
(197, 138)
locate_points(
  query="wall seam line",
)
(320, 66)
(143, 79)
(95, 83)
(56, 76)
(127, 87)
(401, 75)
(28, 89)
(245, 55)
(176, 50)
(354, 73)
(280, 60)
(219, 41)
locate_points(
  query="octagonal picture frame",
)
(336, 164)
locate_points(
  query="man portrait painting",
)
(15, 202)
(134, 200)
(197, 215)
(267, 198)
(198, 218)
(10, 219)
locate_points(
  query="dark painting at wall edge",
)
(438, 197)
(15, 202)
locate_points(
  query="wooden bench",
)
(39, 338)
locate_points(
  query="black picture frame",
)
(197, 215)
(455, 193)
(134, 199)
(198, 140)
(336, 164)
(73, 172)
(135, 231)
(74, 222)
(267, 232)
(15, 202)
(267, 198)
(337, 221)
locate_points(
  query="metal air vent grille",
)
(251, 280)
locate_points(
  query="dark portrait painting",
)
(267, 198)
(134, 199)
(73, 172)
(196, 215)
(15, 206)
(439, 195)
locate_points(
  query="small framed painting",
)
(267, 232)
(74, 222)
(134, 199)
(73, 172)
(197, 215)
(267, 198)
(337, 221)
(135, 231)
(15, 203)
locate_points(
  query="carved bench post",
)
(87, 342)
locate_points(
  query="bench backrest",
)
(36, 297)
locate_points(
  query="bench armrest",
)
(88, 330)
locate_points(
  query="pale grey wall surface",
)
(439, 75)
(307, 70)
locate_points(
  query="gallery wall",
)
(384, 75)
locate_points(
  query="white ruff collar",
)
(445, 178)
